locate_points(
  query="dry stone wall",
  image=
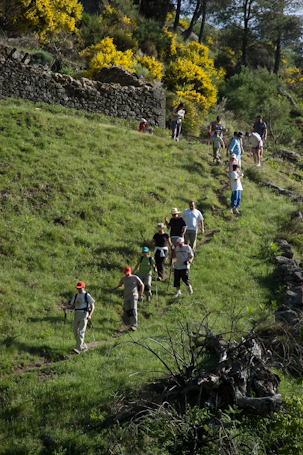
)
(20, 79)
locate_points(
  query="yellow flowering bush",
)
(155, 68)
(183, 23)
(46, 18)
(170, 49)
(183, 71)
(106, 54)
(293, 77)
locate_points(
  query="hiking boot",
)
(77, 351)
(231, 210)
(134, 328)
(258, 165)
(236, 211)
(177, 293)
(148, 298)
(190, 289)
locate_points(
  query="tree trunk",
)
(186, 34)
(176, 23)
(277, 56)
(204, 5)
(165, 13)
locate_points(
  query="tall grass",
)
(77, 190)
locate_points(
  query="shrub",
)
(155, 69)
(41, 57)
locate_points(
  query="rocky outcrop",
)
(289, 274)
(20, 79)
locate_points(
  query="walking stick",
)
(91, 326)
(156, 290)
(110, 300)
(171, 266)
(64, 326)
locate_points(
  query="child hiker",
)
(236, 188)
(217, 144)
(146, 265)
(83, 304)
(233, 160)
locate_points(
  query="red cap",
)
(127, 270)
(80, 285)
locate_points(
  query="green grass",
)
(76, 191)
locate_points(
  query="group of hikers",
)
(178, 246)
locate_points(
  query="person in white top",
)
(194, 220)
(236, 187)
(84, 306)
(255, 141)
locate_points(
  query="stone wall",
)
(20, 79)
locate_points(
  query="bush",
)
(42, 57)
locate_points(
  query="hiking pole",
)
(110, 301)
(64, 327)
(171, 266)
(91, 326)
(156, 290)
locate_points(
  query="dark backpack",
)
(86, 301)
(150, 260)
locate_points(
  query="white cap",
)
(180, 240)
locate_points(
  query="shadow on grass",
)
(50, 354)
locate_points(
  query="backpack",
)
(150, 260)
(86, 301)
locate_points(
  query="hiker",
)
(217, 144)
(184, 257)
(229, 144)
(236, 147)
(217, 125)
(193, 219)
(161, 239)
(131, 295)
(254, 140)
(83, 304)
(232, 161)
(146, 264)
(176, 225)
(236, 189)
(260, 127)
(143, 127)
(176, 121)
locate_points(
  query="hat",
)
(179, 240)
(233, 155)
(174, 211)
(145, 249)
(80, 285)
(240, 134)
(160, 226)
(127, 270)
(143, 120)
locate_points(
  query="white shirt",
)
(79, 302)
(255, 140)
(192, 218)
(236, 185)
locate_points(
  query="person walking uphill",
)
(184, 257)
(83, 304)
(146, 264)
(161, 239)
(176, 121)
(193, 219)
(131, 283)
(217, 125)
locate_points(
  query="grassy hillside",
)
(77, 190)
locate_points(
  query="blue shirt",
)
(235, 147)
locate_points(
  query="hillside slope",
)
(77, 191)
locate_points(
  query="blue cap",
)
(145, 249)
